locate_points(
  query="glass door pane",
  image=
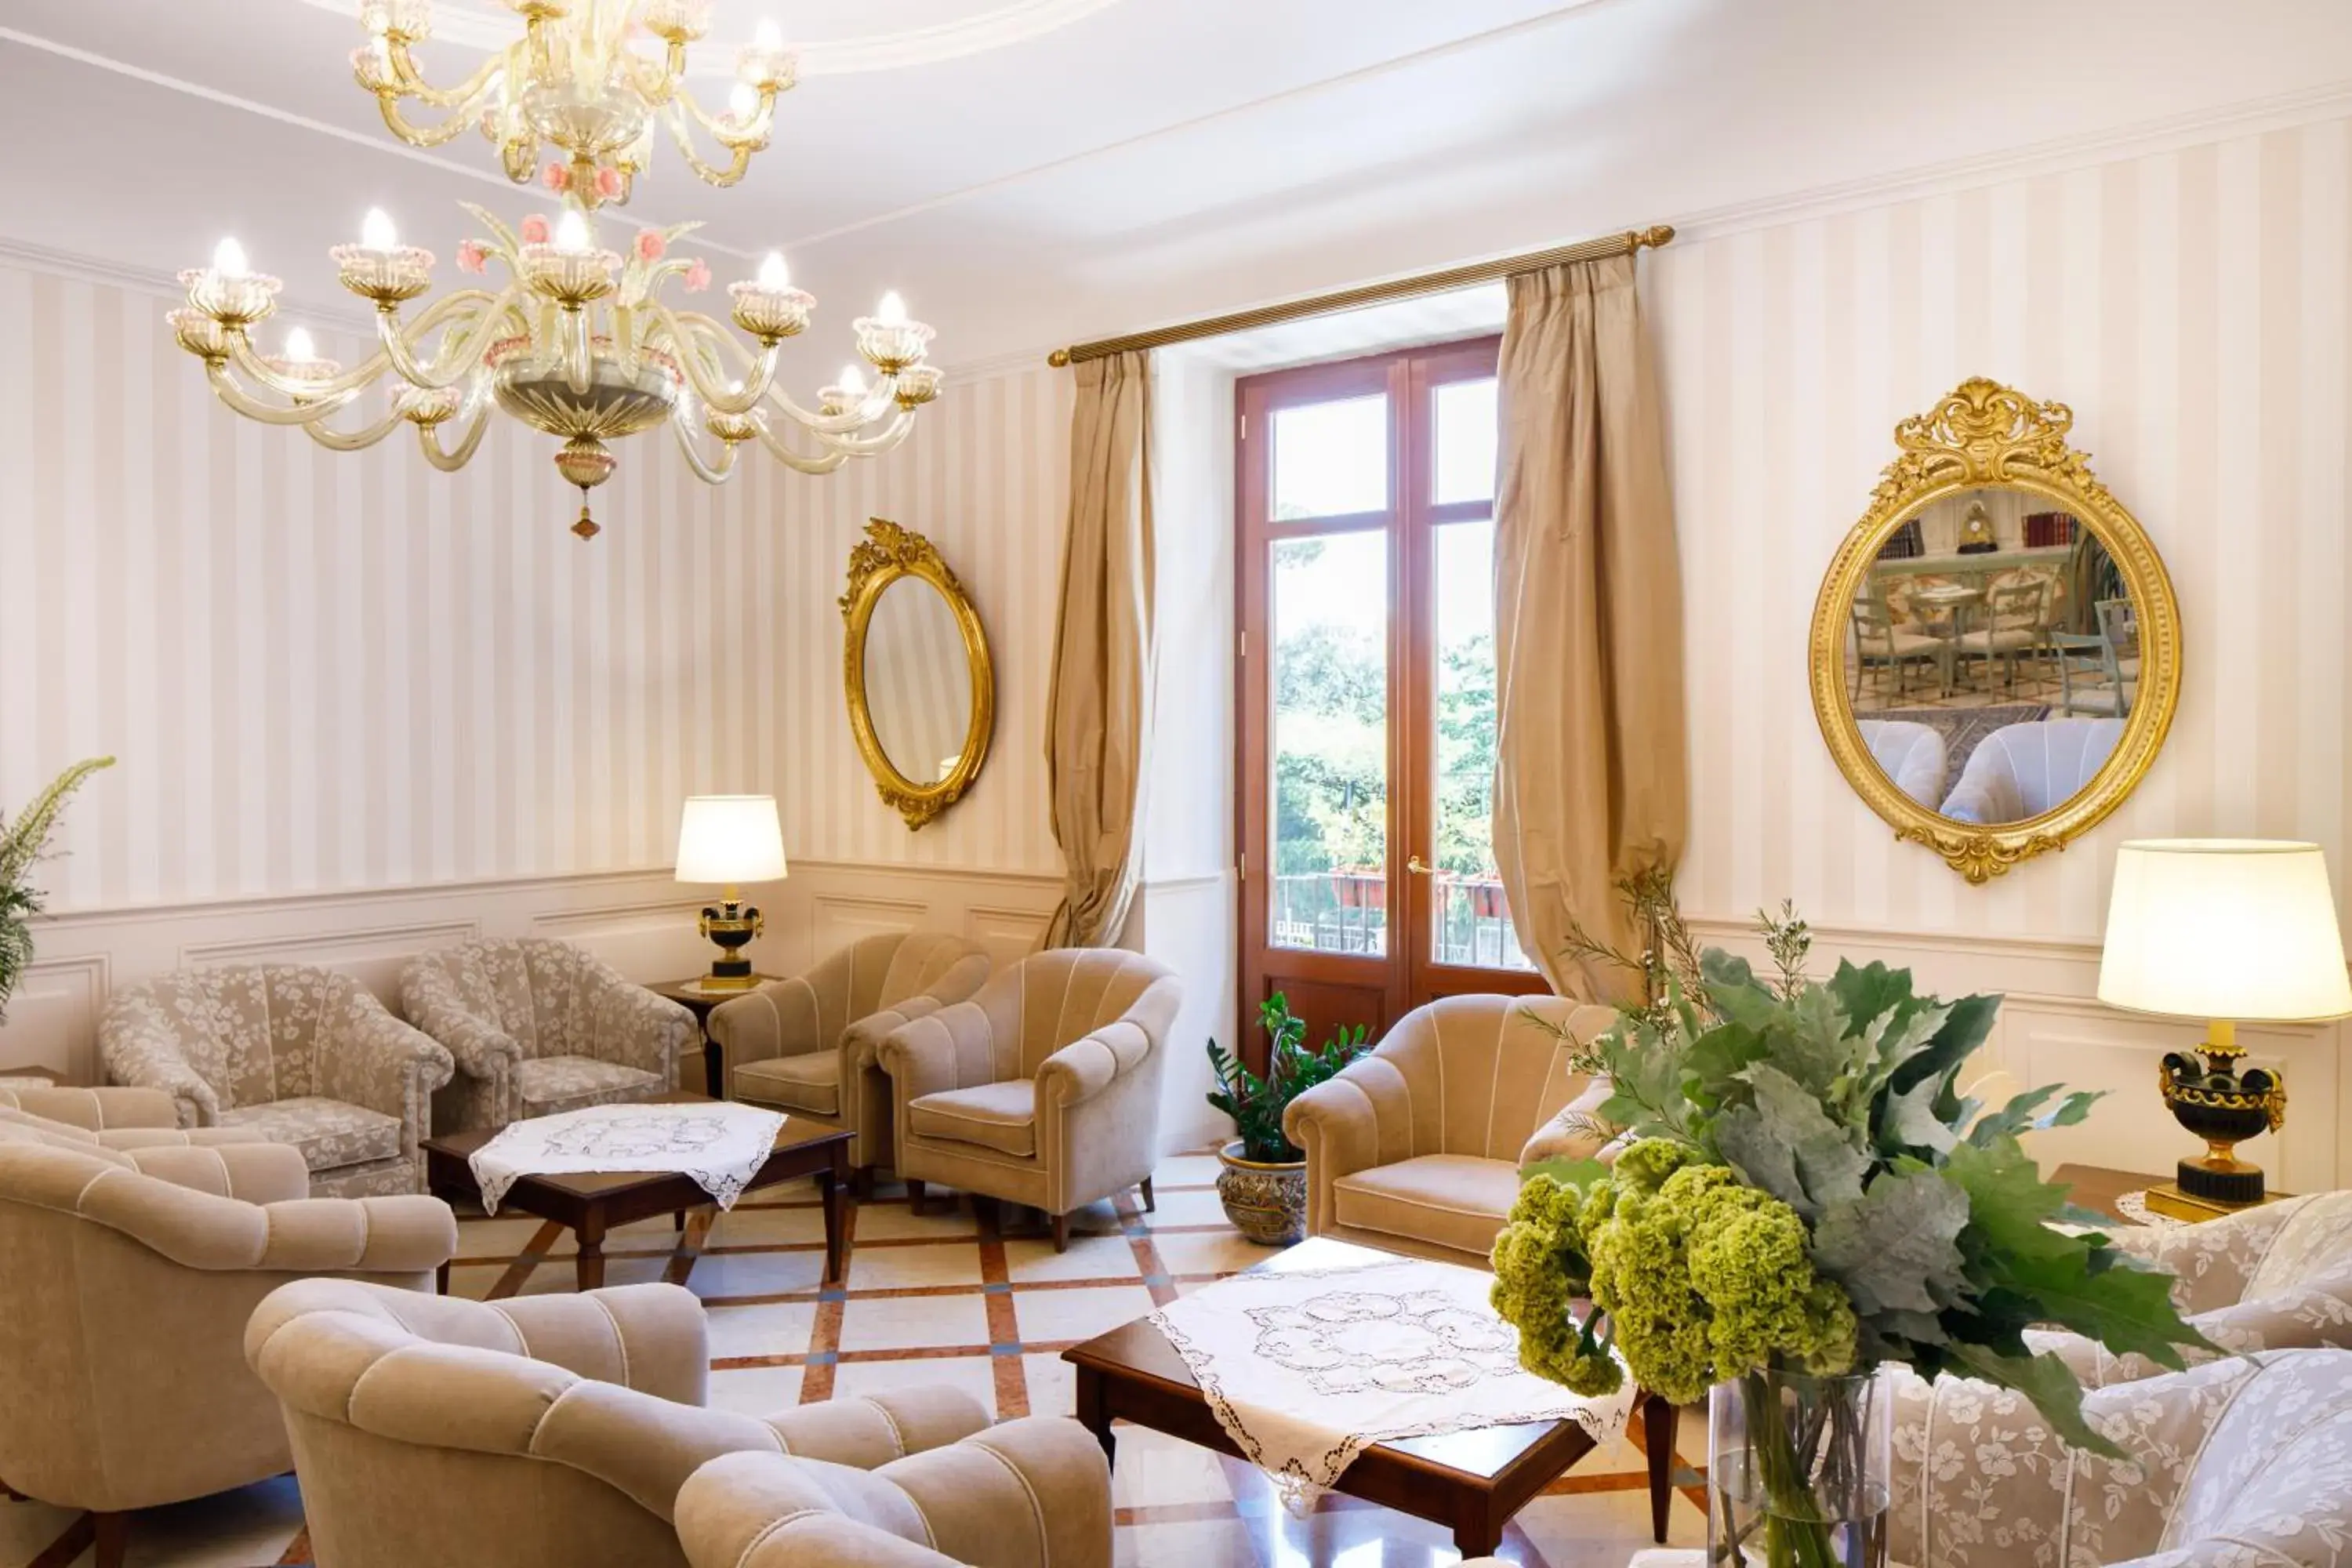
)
(1470, 922)
(1463, 462)
(1328, 734)
(1331, 459)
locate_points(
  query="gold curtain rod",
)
(1368, 294)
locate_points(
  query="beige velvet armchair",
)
(539, 1027)
(298, 1056)
(1031, 1493)
(806, 1045)
(1044, 1089)
(543, 1432)
(131, 1255)
(1416, 1147)
(2245, 1461)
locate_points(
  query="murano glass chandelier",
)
(577, 341)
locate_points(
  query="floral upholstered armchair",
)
(539, 1027)
(293, 1055)
(2245, 1461)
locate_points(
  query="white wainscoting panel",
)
(53, 1016)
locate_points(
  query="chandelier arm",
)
(245, 403)
(709, 473)
(353, 380)
(726, 131)
(881, 441)
(828, 426)
(708, 174)
(447, 130)
(352, 440)
(658, 81)
(833, 458)
(469, 348)
(692, 330)
(428, 437)
(410, 82)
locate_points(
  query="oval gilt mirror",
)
(1996, 649)
(916, 673)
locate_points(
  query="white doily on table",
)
(719, 1146)
(2134, 1208)
(1306, 1368)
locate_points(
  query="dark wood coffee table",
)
(591, 1204)
(1471, 1481)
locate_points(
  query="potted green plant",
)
(1804, 1197)
(1264, 1182)
(21, 843)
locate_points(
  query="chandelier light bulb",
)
(299, 349)
(851, 381)
(572, 232)
(773, 273)
(376, 231)
(743, 103)
(892, 311)
(229, 258)
(767, 36)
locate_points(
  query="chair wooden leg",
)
(1149, 1206)
(113, 1535)
(1061, 1233)
(914, 1196)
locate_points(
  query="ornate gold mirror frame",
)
(1986, 434)
(886, 554)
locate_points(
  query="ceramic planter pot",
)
(1266, 1200)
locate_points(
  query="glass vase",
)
(1798, 1471)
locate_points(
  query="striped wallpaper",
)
(2192, 306)
(327, 671)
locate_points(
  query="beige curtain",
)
(1098, 717)
(1590, 770)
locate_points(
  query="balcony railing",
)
(1347, 911)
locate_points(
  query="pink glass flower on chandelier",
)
(698, 276)
(556, 177)
(534, 229)
(473, 256)
(651, 246)
(608, 183)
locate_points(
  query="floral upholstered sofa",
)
(293, 1055)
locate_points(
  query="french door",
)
(1367, 689)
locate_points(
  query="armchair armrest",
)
(140, 1048)
(942, 1050)
(203, 1230)
(249, 1173)
(774, 1018)
(98, 1110)
(1091, 1063)
(630, 1025)
(477, 1047)
(1337, 1124)
(369, 1059)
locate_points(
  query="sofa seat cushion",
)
(329, 1132)
(552, 1084)
(1000, 1116)
(810, 1082)
(1449, 1200)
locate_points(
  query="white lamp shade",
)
(2224, 927)
(730, 839)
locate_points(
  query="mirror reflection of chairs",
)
(2010, 622)
(1889, 646)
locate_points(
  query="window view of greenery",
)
(1329, 614)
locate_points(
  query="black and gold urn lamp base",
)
(732, 925)
(2216, 1101)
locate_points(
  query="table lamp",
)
(731, 840)
(2226, 930)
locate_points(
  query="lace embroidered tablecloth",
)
(721, 1145)
(1306, 1368)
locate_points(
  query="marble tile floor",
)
(951, 1295)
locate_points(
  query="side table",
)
(696, 998)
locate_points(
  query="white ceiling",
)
(1049, 169)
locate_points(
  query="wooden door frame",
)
(1407, 377)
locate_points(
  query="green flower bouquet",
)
(1804, 1195)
